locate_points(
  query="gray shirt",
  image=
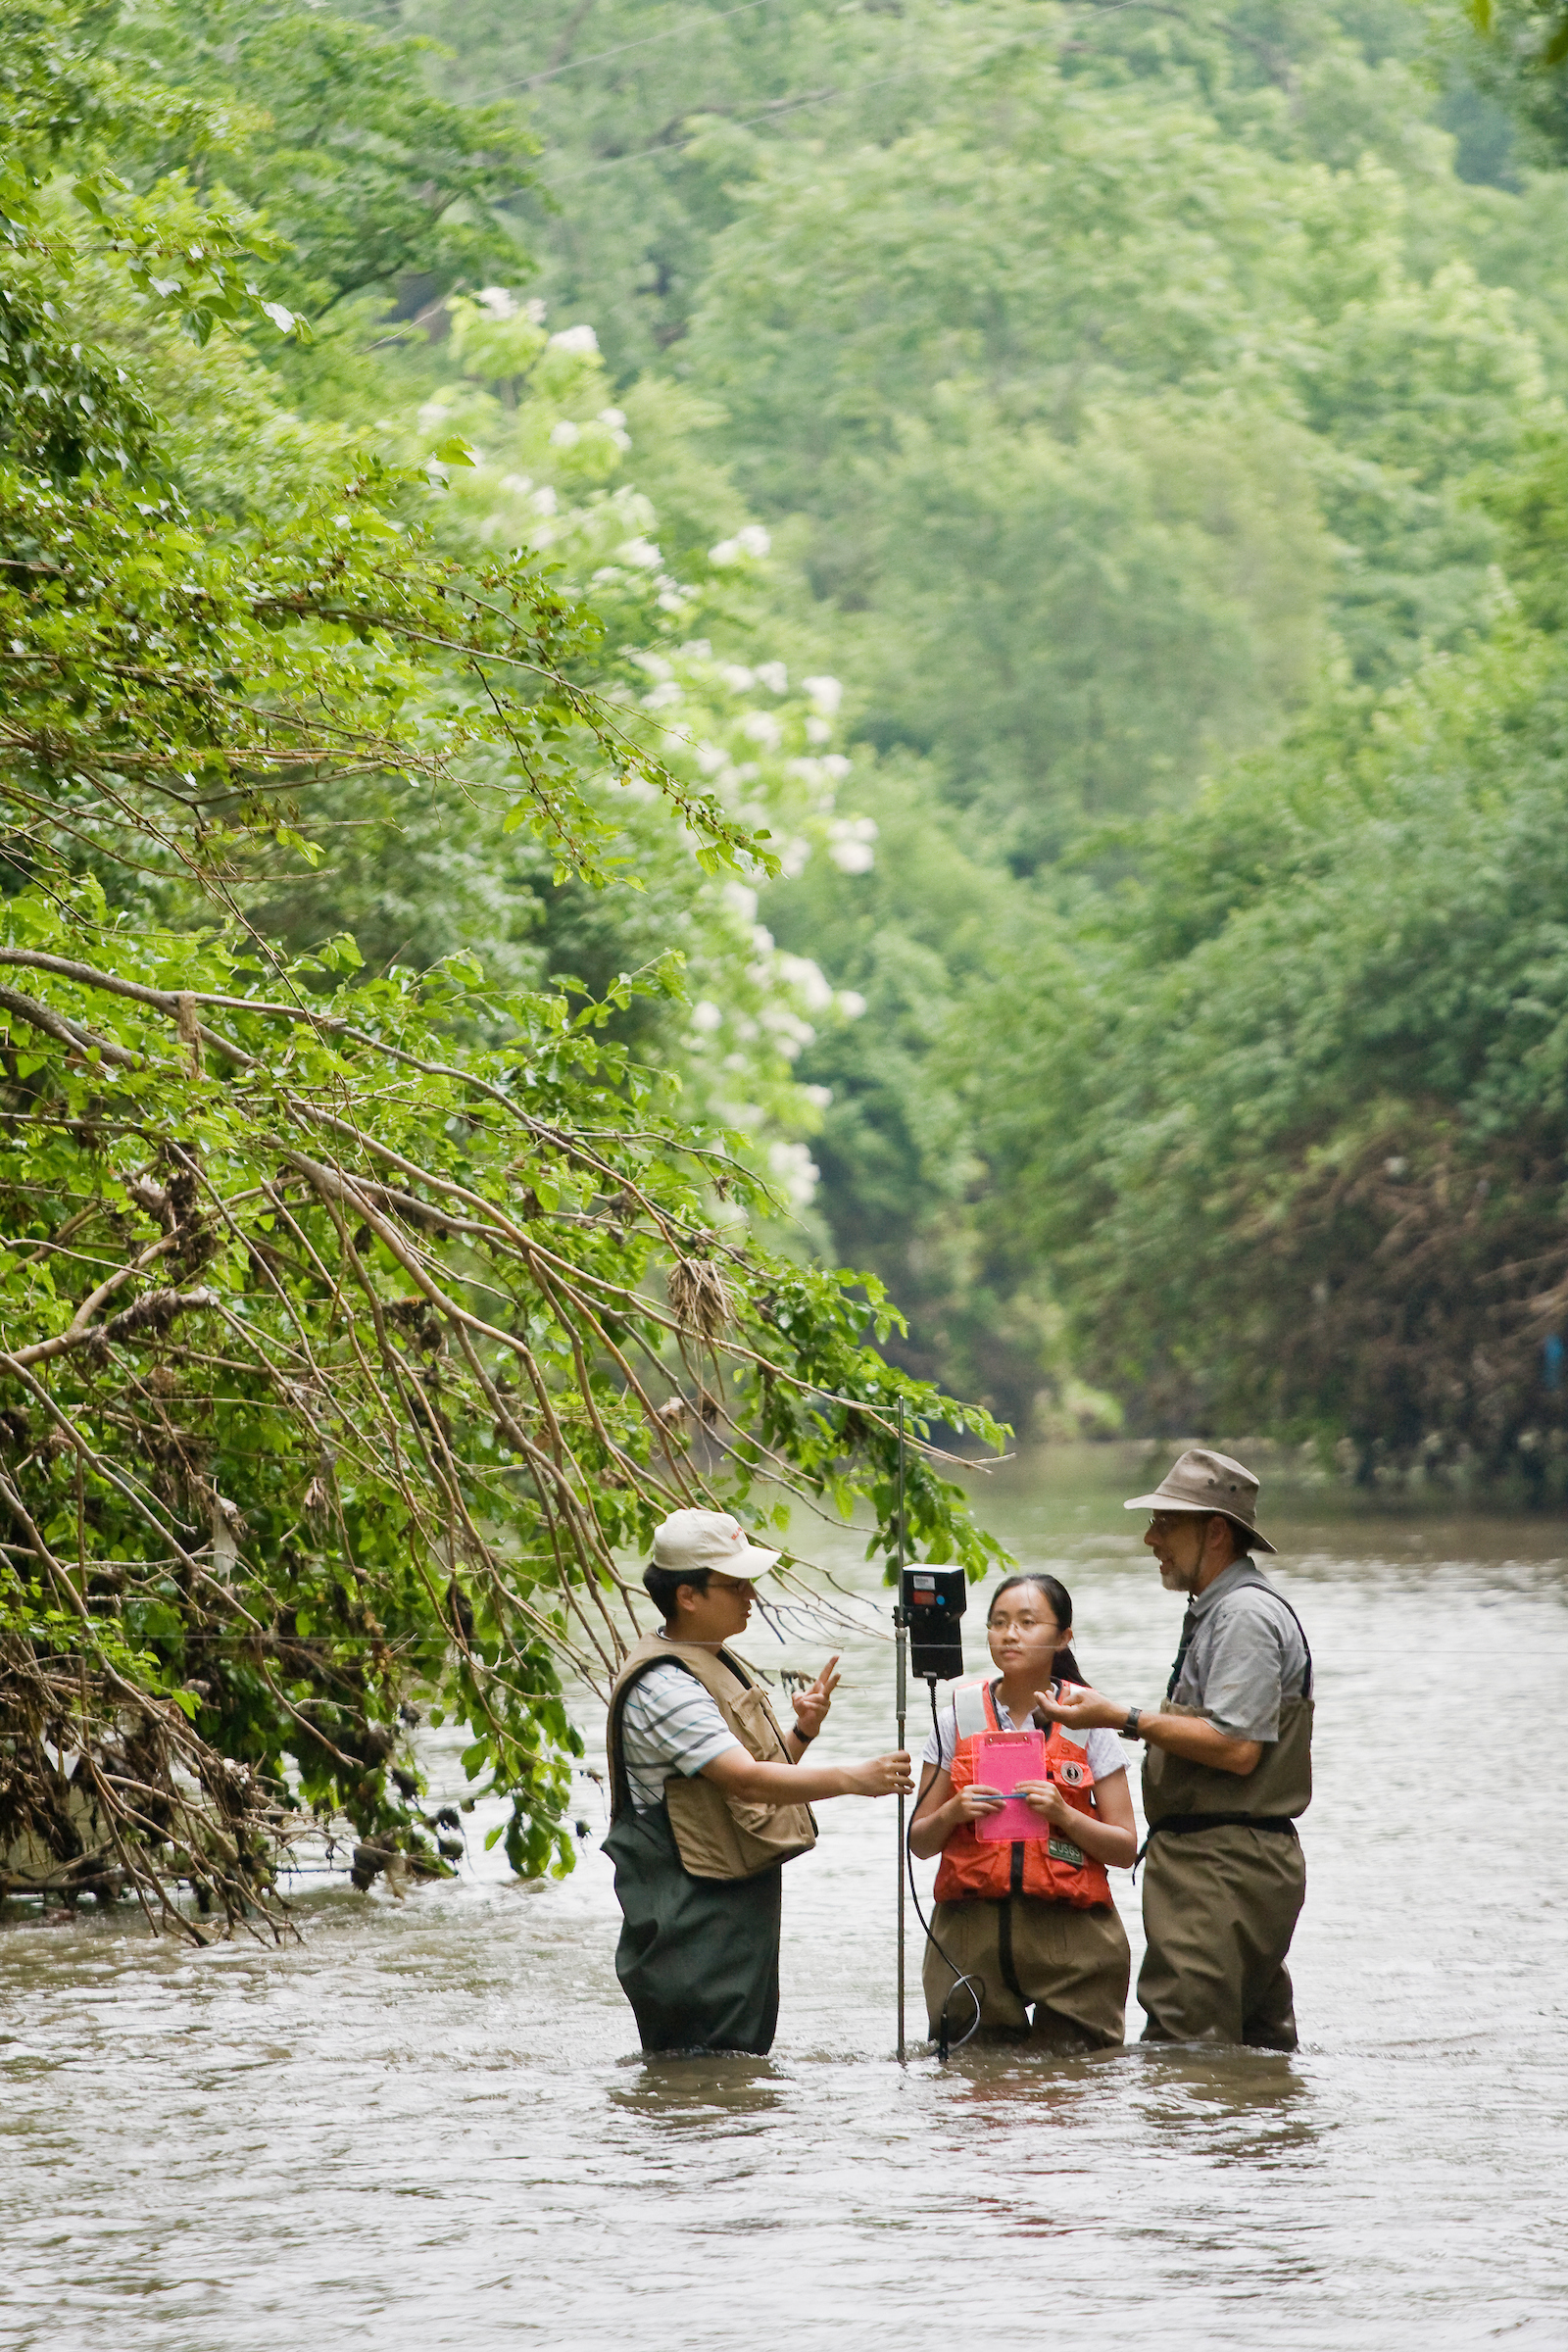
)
(1243, 1655)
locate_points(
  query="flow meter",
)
(933, 1601)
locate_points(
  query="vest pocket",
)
(754, 1720)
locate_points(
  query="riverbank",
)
(1299, 1488)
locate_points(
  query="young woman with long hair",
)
(1030, 1924)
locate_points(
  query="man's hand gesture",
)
(812, 1703)
(1088, 1712)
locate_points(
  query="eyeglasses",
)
(726, 1584)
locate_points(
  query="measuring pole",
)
(901, 1651)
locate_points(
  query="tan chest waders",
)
(1224, 1882)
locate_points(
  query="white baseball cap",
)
(696, 1540)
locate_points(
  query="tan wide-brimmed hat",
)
(1207, 1481)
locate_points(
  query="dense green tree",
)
(1132, 396)
(1288, 1120)
(647, 116)
(333, 132)
(1114, 381)
(925, 933)
(1524, 59)
(350, 1325)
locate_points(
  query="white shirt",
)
(670, 1724)
(1103, 1748)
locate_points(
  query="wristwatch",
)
(802, 1734)
(1129, 1730)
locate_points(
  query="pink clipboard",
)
(1002, 1759)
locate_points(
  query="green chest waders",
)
(699, 1876)
(697, 1958)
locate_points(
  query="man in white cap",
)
(709, 1798)
(1227, 1769)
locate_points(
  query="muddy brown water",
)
(427, 2124)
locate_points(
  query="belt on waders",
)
(1188, 1824)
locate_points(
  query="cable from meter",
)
(973, 1985)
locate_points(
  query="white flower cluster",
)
(736, 730)
(850, 840)
(750, 544)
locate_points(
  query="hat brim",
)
(756, 1562)
(1197, 1510)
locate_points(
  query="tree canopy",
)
(653, 655)
(357, 1320)
(1161, 412)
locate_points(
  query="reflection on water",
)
(695, 2092)
(427, 2126)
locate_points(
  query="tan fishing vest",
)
(718, 1837)
(1277, 1788)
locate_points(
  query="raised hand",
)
(812, 1703)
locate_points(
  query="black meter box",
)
(933, 1601)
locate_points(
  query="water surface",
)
(427, 2124)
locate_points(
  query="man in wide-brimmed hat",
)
(1227, 1769)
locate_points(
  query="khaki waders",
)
(699, 1876)
(1224, 1882)
(1070, 1963)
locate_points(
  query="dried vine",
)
(355, 1365)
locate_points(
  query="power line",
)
(784, 106)
(526, 81)
(781, 106)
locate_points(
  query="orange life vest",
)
(1058, 1872)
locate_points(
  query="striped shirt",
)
(670, 1723)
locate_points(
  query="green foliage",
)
(1128, 392)
(316, 1408)
(649, 119)
(332, 132)
(923, 933)
(1076, 486)
(1073, 585)
(1290, 1125)
(549, 458)
(353, 1321)
(1523, 56)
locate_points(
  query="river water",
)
(427, 2124)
